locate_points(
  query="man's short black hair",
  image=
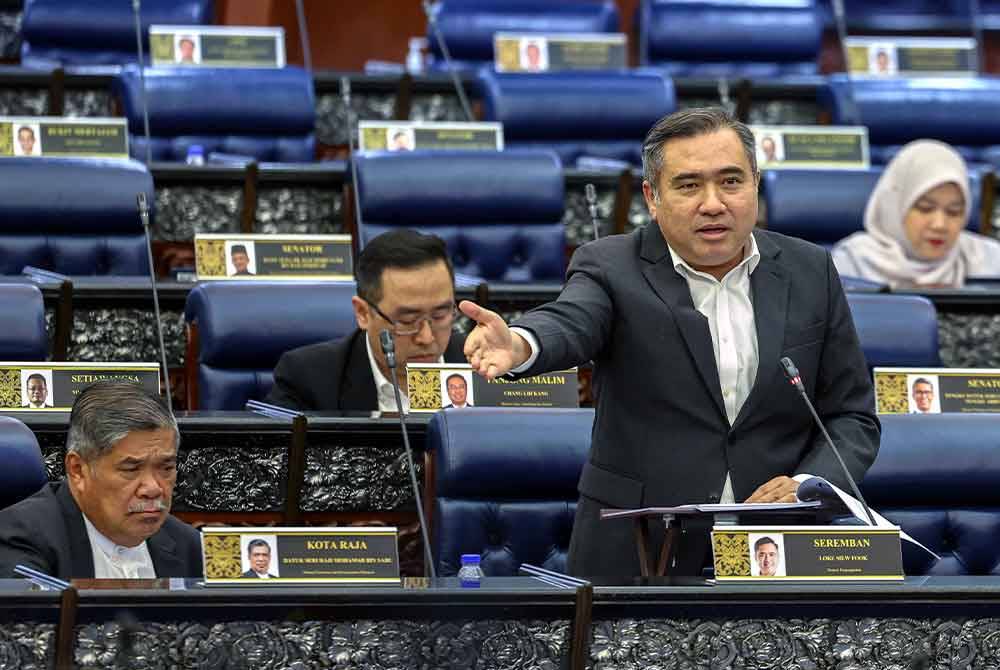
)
(761, 542)
(404, 249)
(257, 543)
(36, 376)
(238, 249)
(456, 376)
(922, 380)
(399, 133)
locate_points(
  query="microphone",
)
(439, 38)
(300, 12)
(136, 11)
(595, 221)
(792, 373)
(144, 218)
(345, 97)
(389, 347)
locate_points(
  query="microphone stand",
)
(136, 10)
(439, 38)
(144, 217)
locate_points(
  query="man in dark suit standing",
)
(686, 321)
(110, 517)
(405, 284)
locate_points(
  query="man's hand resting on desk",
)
(491, 348)
(780, 489)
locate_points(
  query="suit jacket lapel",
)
(357, 390)
(81, 554)
(163, 551)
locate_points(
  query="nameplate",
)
(53, 387)
(217, 46)
(818, 147)
(912, 56)
(55, 136)
(435, 386)
(533, 52)
(407, 136)
(273, 257)
(778, 553)
(310, 555)
(936, 390)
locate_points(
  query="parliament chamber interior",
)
(748, 252)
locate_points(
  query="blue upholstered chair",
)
(22, 313)
(905, 17)
(896, 330)
(737, 38)
(499, 212)
(23, 470)
(73, 216)
(70, 32)
(467, 26)
(237, 331)
(267, 114)
(936, 476)
(578, 114)
(505, 485)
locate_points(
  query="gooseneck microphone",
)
(792, 373)
(137, 13)
(595, 220)
(140, 199)
(443, 46)
(345, 97)
(389, 348)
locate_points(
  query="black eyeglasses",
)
(439, 320)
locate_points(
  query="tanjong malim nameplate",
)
(37, 386)
(273, 256)
(434, 386)
(37, 136)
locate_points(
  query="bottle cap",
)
(470, 558)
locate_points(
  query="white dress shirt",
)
(386, 395)
(113, 561)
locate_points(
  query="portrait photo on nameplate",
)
(217, 46)
(412, 135)
(273, 257)
(557, 52)
(45, 386)
(937, 390)
(818, 147)
(888, 57)
(37, 136)
(251, 557)
(435, 386)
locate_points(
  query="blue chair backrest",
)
(245, 327)
(73, 216)
(22, 313)
(499, 212)
(505, 485)
(268, 114)
(896, 330)
(23, 471)
(70, 32)
(902, 16)
(759, 38)
(575, 114)
(936, 476)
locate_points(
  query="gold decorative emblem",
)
(732, 554)
(890, 394)
(10, 388)
(424, 388)
(508, 57)
(222, 557)
(161, 47)
(210, 258)
(6, 139)
(374, 138)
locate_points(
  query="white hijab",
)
(883, 253)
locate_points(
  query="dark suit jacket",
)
(335, 375)
(46, 532)
(251, 574)
(661, 436)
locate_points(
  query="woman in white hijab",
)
(914, 225)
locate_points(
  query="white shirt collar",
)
(751, 259)
(383, 386)
(117, 557)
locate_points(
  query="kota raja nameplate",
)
(273, 257)
(936, 390)
(534, 52)
(270, 555)
(37, 386)
(435, 386)
(819, 147)
(407, 136)
(217, 46)
(779, 553)
(35, 136)
(912, 56)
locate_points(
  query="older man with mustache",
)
(110, 517)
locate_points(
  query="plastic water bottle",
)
(470, 576)
(415, 56)
(196, 155)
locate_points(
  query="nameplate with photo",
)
(217, 46)
(273, 257)
(557, 52)
(247, 556)
(408, 136)
(824, 553)
(912, 56)
(435, 386)
(936, 390)
(816, 147)
(53, 136)
(45, 386)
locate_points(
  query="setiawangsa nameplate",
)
(435, 386)
(47, 386)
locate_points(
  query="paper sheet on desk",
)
(858, 510)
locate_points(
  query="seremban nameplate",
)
(38, 386)
(435, 386)
(273, 257)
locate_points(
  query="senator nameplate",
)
(815, 147)
(411, 135)
(435, 386)
(824, 553)
(937, 390)
(537, 52)
(37, 136)
(248, 556)
(35, 386)
(248, 257)
(217, 46)
(886, 57)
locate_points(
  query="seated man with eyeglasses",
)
(406, 284)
